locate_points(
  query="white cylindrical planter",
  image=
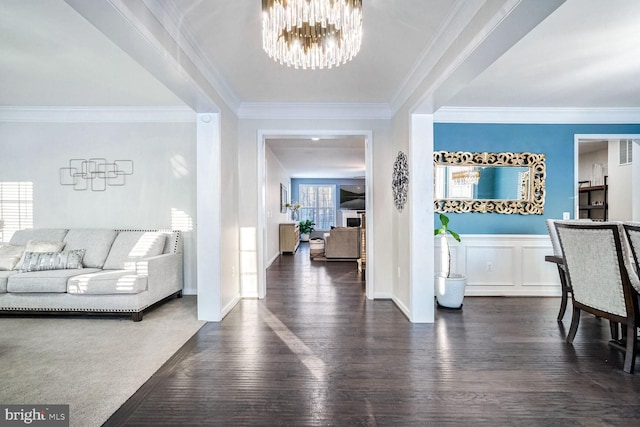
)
(316, 247)
(450, 290)
(304, 237)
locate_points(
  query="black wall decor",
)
(400, 181)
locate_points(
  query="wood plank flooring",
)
(317, 352)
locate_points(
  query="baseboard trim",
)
(403, 308)
(227, 308)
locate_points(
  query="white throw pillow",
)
(9, 256)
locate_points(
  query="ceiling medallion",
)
(311, 33)
(400, 182)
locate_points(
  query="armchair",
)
(342, 243)
(596, 263)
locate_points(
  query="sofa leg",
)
(136, 317)
(179, 294)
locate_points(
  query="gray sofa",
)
(120, 271)
(342, 243)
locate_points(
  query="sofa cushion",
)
(130, 246)
(44, 281)
(39, 261)
(21, 237)
(95, 241)
(9, 256)
(4, 277)
(107, 282)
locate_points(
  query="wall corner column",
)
(208, 231)
(421, 218)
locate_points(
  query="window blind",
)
(16, 208)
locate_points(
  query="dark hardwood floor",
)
(317, 352)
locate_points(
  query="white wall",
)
(275, 175)
(163, 181)
(401, 224)
(585, 162)
(229, 204)
(620, 195)
(381, 185)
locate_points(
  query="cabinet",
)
(289, 237)
(593, 203)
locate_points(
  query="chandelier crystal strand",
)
(312, 33)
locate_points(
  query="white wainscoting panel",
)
(504, 264)
(490, 264)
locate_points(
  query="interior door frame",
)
(635, 174)
(261, 247)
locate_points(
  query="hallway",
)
(316, 352)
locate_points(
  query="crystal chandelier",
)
(311, 33)
(466, 176)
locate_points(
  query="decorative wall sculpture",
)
(529, 185)
(95, 174)
(400, 181)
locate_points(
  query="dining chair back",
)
(557, 259)
(594, 257)
(553, 234)
(632, 230)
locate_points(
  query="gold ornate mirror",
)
(508, 183)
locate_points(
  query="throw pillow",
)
(40, 246)
(40, 261)
(9, 256)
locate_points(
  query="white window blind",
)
(317, 204)
(16, 208)
(626, 150)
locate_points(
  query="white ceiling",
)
(328, 157)
(585, 53)
(228, 33)
(51, 56)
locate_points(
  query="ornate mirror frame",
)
(534, 204)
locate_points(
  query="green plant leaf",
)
(454, 234)
(444, 220)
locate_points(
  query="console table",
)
(289, 237)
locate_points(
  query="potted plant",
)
(306, 227)
(449, 286)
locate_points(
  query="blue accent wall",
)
(556, 141)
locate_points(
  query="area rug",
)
(93, 364)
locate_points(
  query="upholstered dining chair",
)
(557, 259)
(597, 265)
(632, 230)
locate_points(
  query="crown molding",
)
(330, 111)
(97, 114)
(258, 111)
(538, 115)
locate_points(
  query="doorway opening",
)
(607, 177)
(306, 155)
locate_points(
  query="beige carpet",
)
(94, 364)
